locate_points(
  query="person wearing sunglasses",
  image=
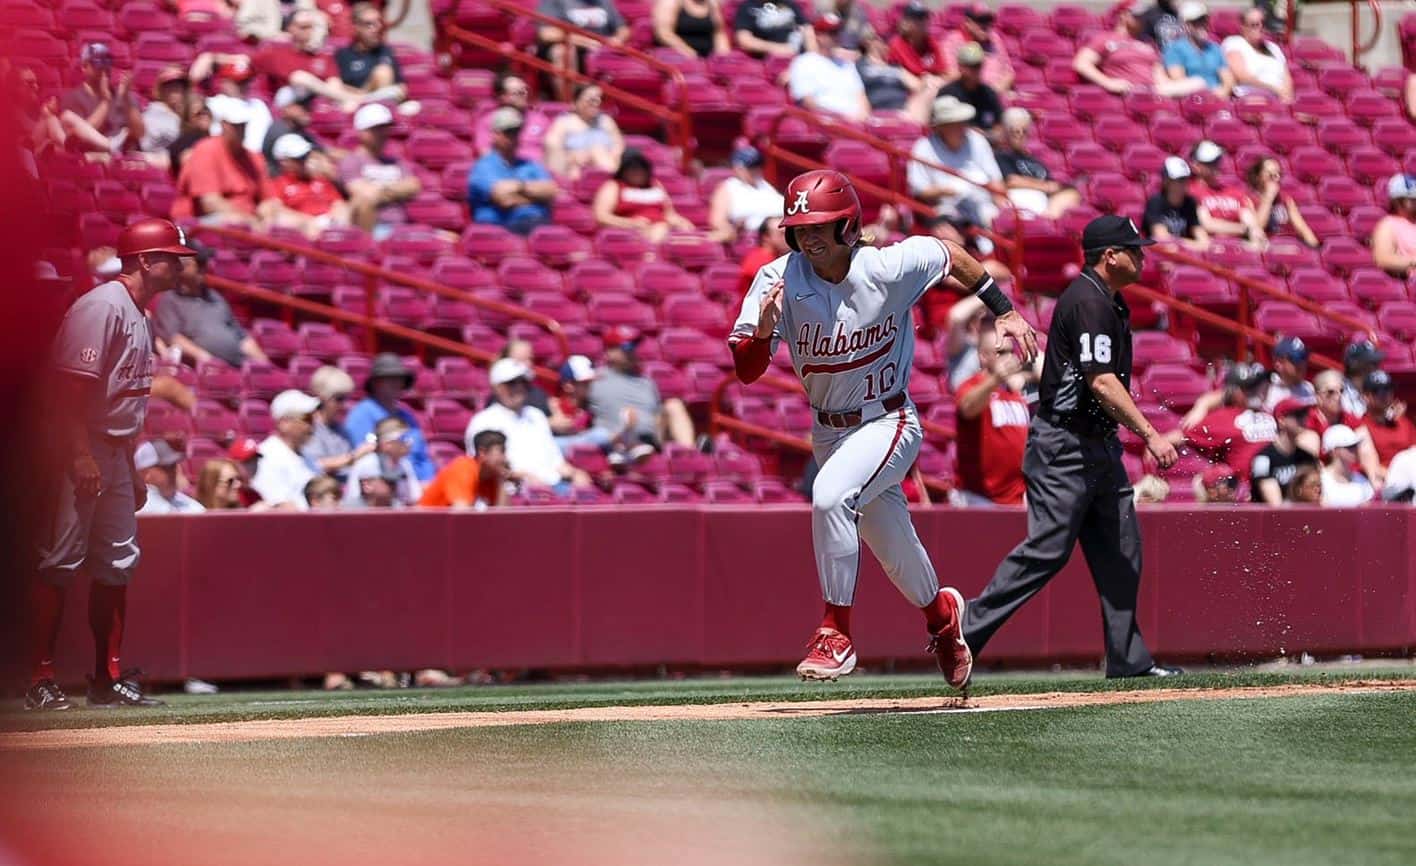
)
(389, 462)
(1257, 62)
(330, 448)
(281, 474)
(367, 65)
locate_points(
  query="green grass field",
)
(1307, 778)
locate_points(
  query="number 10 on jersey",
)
(882, 381)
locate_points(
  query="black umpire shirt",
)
(1090, 333)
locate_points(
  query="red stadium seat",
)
(489, 244)
(661, 281)
(558, 246)
(726, 493)
(1286, 255)
(1316, 284)
(1394, 135)
(1343, 255)
(323, 341)
(1368, 106)
(1175, 386)
(1312, 163)
(275, 338)
(1398, 318)
(1371, 165)
(1373, 287)
(1342, 194)
(262, 380)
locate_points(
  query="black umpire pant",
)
(1077, 491)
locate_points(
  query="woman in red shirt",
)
(632, 199)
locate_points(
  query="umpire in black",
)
(1077, 489)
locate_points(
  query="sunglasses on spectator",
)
(233, 481)
(1330, 392)
(369, 22)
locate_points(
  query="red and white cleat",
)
(948, 646)
(831, 656)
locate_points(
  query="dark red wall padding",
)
(259, 595)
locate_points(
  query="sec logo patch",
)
(88, 356)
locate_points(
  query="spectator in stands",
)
(600, 17)
(772, 28)
(219, 485)
(1290, 374)
(632, 199)
(584, 137)
(301, 63)
(1151, 490)
(971, 89)
(1160, 24)
(506, 189)
(912, 47)
(1196, 55)
(992, 419)
(292, 118)
(693, 28)
(1328, 411)
(1400, 482)
(222, 182)
(323, 493)
(231, 76)
(388, 379)
(196, 125)
(822, 82)
(742, 202)
(245, 455)
(476, 482)
(378, 182)
(390, 462)
(512, 90)
(36, 118)
(1359, 359)
(1410, 96)
(1273, 468)
(1394, 236)
(312, 201)
(531, 452)
(330, 449)
(856, 29)
(570, 417)
(1238, 429)
(1030, 184)
(961, 341)
(1173, 213)
(198, 321)
(972, 195)
(893, 88)
(162, 119)
(1216, 485)
(622, 397)
(281, 474)
(366, 64)
(100, 115)
(160, 467)
(1275, 211)
(371, 491)
(1120, 61)
(977, 27)
(1306, 488)
(1256, 62)
(264, 20)
(1386, 421)
(1224, 211)
(771, 245)
(523, 352)
(1343, 485)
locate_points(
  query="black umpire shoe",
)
(46, 695)
(122, 692)
(1153, 671)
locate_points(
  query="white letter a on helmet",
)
(800, 205)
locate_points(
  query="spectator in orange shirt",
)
(993, 423)
(312, 202)
(472, 482)
(771, 245)
(223, 183)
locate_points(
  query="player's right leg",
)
(61, 555)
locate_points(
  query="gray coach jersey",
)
(851, 343)
(105, 336)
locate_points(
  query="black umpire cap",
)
(1112, 231)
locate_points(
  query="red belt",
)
(853, 418)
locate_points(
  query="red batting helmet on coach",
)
(818, 197)
(153, 235)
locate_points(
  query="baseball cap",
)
(169, 75)
(916, 10)
(1291, 348)
(1377, 380)
(1246, 376)
(747, 156)
(155, 453)
(1176, 168)
(828, 23)
(292, 404)
(1363, 351)
(243, 449)
(238, 69)
(96, 54)
(505, 119)
(1208, 152)
(1112, 230)
(230, 111)
(1219, 473)
(1193, 10)
(1401, 186)
(204, 253)
(291, 145)
(621, 337)
(508, 370)
(1291, 406)
(970, 54)
(1339, 436)
(372, 115)
(577, 368)
(979, 12)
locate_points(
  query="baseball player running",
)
(844, 308)
(103, 355)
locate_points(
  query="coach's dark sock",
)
(837, 617)
(108, 605)
(937, 615)
(46, 607)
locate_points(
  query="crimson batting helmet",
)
(818, 197)
(153, 235)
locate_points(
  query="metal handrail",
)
(1358, 46)
(373, 274)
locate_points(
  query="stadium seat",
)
(1343, 255)
(1367, 107)
(447, 420)
(1371, 165)
(1373, 287)
(1317, 284)
(1342, 194)
(253, 418)
(1286, 255)
(1398, 318)
(1394, 135)
(1175, 386)
(726, 493)
(1312, 163)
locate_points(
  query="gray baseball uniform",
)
(852, 344)
(104, 337)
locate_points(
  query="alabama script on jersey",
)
(851, 343)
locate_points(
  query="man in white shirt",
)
(158, 462)
(953, 145)
(281, 474)
(531, 450)
(1343, 485)
(820, 81)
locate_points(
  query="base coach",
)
(1077, 489)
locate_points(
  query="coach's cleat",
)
(46, 695)
(122, 692)
(1152, 671)
(950, 650)
(830, 656)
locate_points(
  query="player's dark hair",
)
(488, 439)
(1093, 257)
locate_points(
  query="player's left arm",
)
(1009, 324)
